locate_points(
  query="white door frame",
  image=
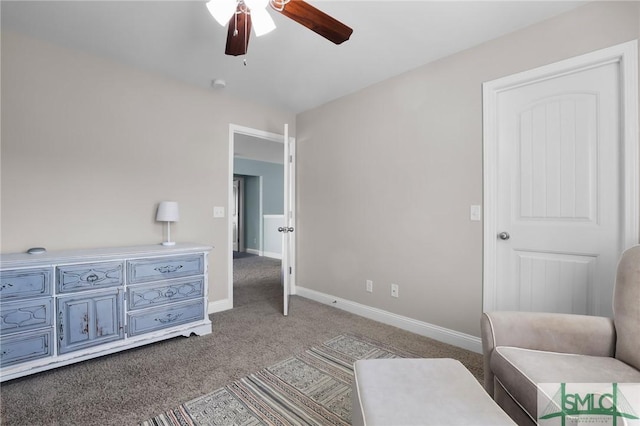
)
(235, 129)
(626, 54)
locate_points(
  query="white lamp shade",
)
(262, 22)
(168, 212)
(222, 10)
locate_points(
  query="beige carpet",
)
(132, 386)
(312, 388)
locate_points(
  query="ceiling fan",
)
(242, 15)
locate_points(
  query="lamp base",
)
(168, 243)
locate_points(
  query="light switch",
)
(218, 212)
(475, 213)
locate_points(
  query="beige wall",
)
(386, 176)
(89, 147)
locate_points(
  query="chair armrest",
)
(566, 333)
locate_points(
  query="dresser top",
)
(16, 260)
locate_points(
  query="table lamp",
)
(168, 212)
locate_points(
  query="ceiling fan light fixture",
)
(262, 22)
(222, 10)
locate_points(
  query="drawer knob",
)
(61, 325)
(168, 269)
(92, 278)
(169, 318)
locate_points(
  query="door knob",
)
(504, 236)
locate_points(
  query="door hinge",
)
(291, 158)
(290, 270)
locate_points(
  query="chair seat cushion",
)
(519, 370)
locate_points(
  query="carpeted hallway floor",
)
(129, 387)
(256, 279)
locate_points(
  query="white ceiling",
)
(292, 67)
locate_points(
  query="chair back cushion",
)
(626, 308)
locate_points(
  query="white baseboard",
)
(219, 306)
(264, 253)
(445, 335)
(272, 255)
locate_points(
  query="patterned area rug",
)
(313, 388)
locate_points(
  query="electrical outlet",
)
(218, 212)
(394, 290)
(369, 286)
(475, 213)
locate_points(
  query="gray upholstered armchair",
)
(522, 349)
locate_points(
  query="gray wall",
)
(272, 182)
(252, 212)
(272, 194)
(89, 147)
(396, 166)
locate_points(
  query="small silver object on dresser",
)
(37, 250)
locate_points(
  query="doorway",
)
(560, 183)
(258, 164)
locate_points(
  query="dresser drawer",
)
(24, 347)
(161, 293)
(161, 268)
(25, 315)
(89, 276)
(23, 283)
(166, 317)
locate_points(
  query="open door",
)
(287, 229)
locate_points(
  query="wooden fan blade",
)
(317, 21)
(238, 34)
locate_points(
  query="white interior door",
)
(288, 229)
(560, 191)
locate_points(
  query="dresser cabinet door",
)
(86, 320)
(162, 268)
(89, 276)
(24, 283)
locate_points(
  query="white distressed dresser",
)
(57, 308)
